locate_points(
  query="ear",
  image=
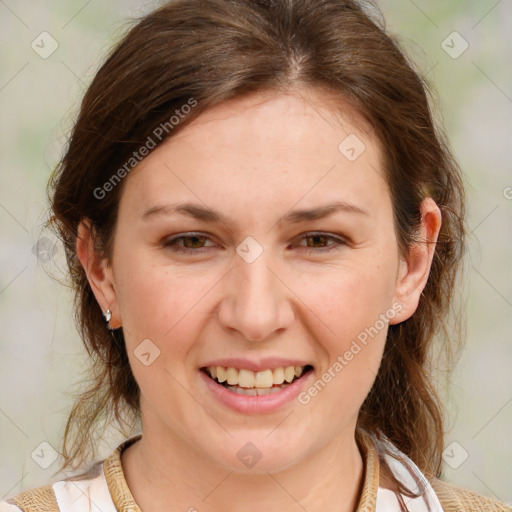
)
(414, 270)
(98, 271)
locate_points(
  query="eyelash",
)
(171, 243)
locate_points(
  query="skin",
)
(255, 159)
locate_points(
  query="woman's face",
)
(256, 273)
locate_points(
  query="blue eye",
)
(194, 242)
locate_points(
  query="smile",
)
(250, 383)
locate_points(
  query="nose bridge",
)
(257, 304)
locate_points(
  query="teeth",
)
(245, 379)
(264, 379)
(251, 381)
(289, 373)
(221, 373)
(278, 376)
(232, 375)
(255, 391)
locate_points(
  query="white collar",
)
(408, 473)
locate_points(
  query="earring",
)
(108, 316)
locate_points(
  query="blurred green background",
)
(41, 357)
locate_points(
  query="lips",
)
(256, 400)
(260, 386)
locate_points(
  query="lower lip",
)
(256, 404)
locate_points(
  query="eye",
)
(192, 242)
(322, 238)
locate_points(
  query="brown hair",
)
(215, 50)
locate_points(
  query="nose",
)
(257, 302)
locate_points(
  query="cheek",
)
(357, 308)
(354, 305)
(156, 300)
(164, 306)
(349, 301)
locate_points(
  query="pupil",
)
(317, 237)
(194, 239)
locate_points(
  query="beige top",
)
(106, 490)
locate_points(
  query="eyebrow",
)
(206, 214)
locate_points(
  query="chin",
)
(253, 454)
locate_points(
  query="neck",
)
(166, 474)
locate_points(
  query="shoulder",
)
(40, 498)
(74, 494)
(457, 499)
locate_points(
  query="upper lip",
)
(255, 366)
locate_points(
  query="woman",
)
(263, 227)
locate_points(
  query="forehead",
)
(310, 120)
(263, 150)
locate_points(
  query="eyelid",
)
(325, 234)
(338, 240)
(170, 242)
